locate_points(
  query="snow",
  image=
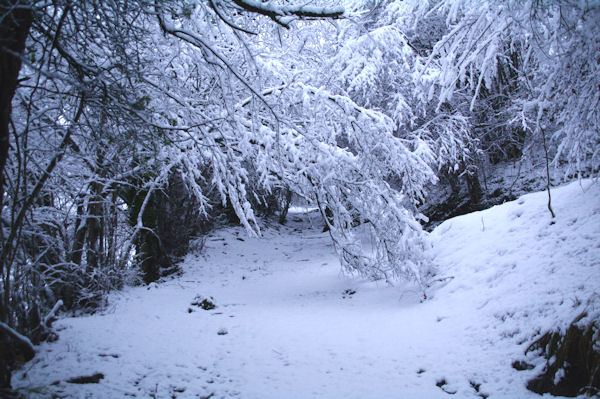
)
(288, 324)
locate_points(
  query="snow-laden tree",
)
(537, 58)
(107, 108)
(341, 157)
(121, 119)
(377, 66)
(122, 111)
(345, 156)
(501, 80)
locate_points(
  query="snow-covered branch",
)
(279, 13)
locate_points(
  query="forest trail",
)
(288, 324)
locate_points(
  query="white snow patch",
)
(288, 324)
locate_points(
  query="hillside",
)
(288, 324)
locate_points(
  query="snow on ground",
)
(288, 324)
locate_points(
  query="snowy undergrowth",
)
(287, 324)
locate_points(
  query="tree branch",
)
(276, 13)
(227, 22)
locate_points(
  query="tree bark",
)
(14, 29)
(474, 188)
(15, 24)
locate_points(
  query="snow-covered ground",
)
(288, 324)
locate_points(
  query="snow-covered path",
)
(289, 325)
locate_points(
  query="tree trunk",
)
(285, 206)
(14, 29)
(474, 188)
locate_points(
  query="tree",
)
(538, 58)
(500, 81)
(119, 108)
(105, 103)
(119, 119)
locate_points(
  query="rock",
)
(521, 365)
(573, 358)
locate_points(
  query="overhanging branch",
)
(276, 13)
